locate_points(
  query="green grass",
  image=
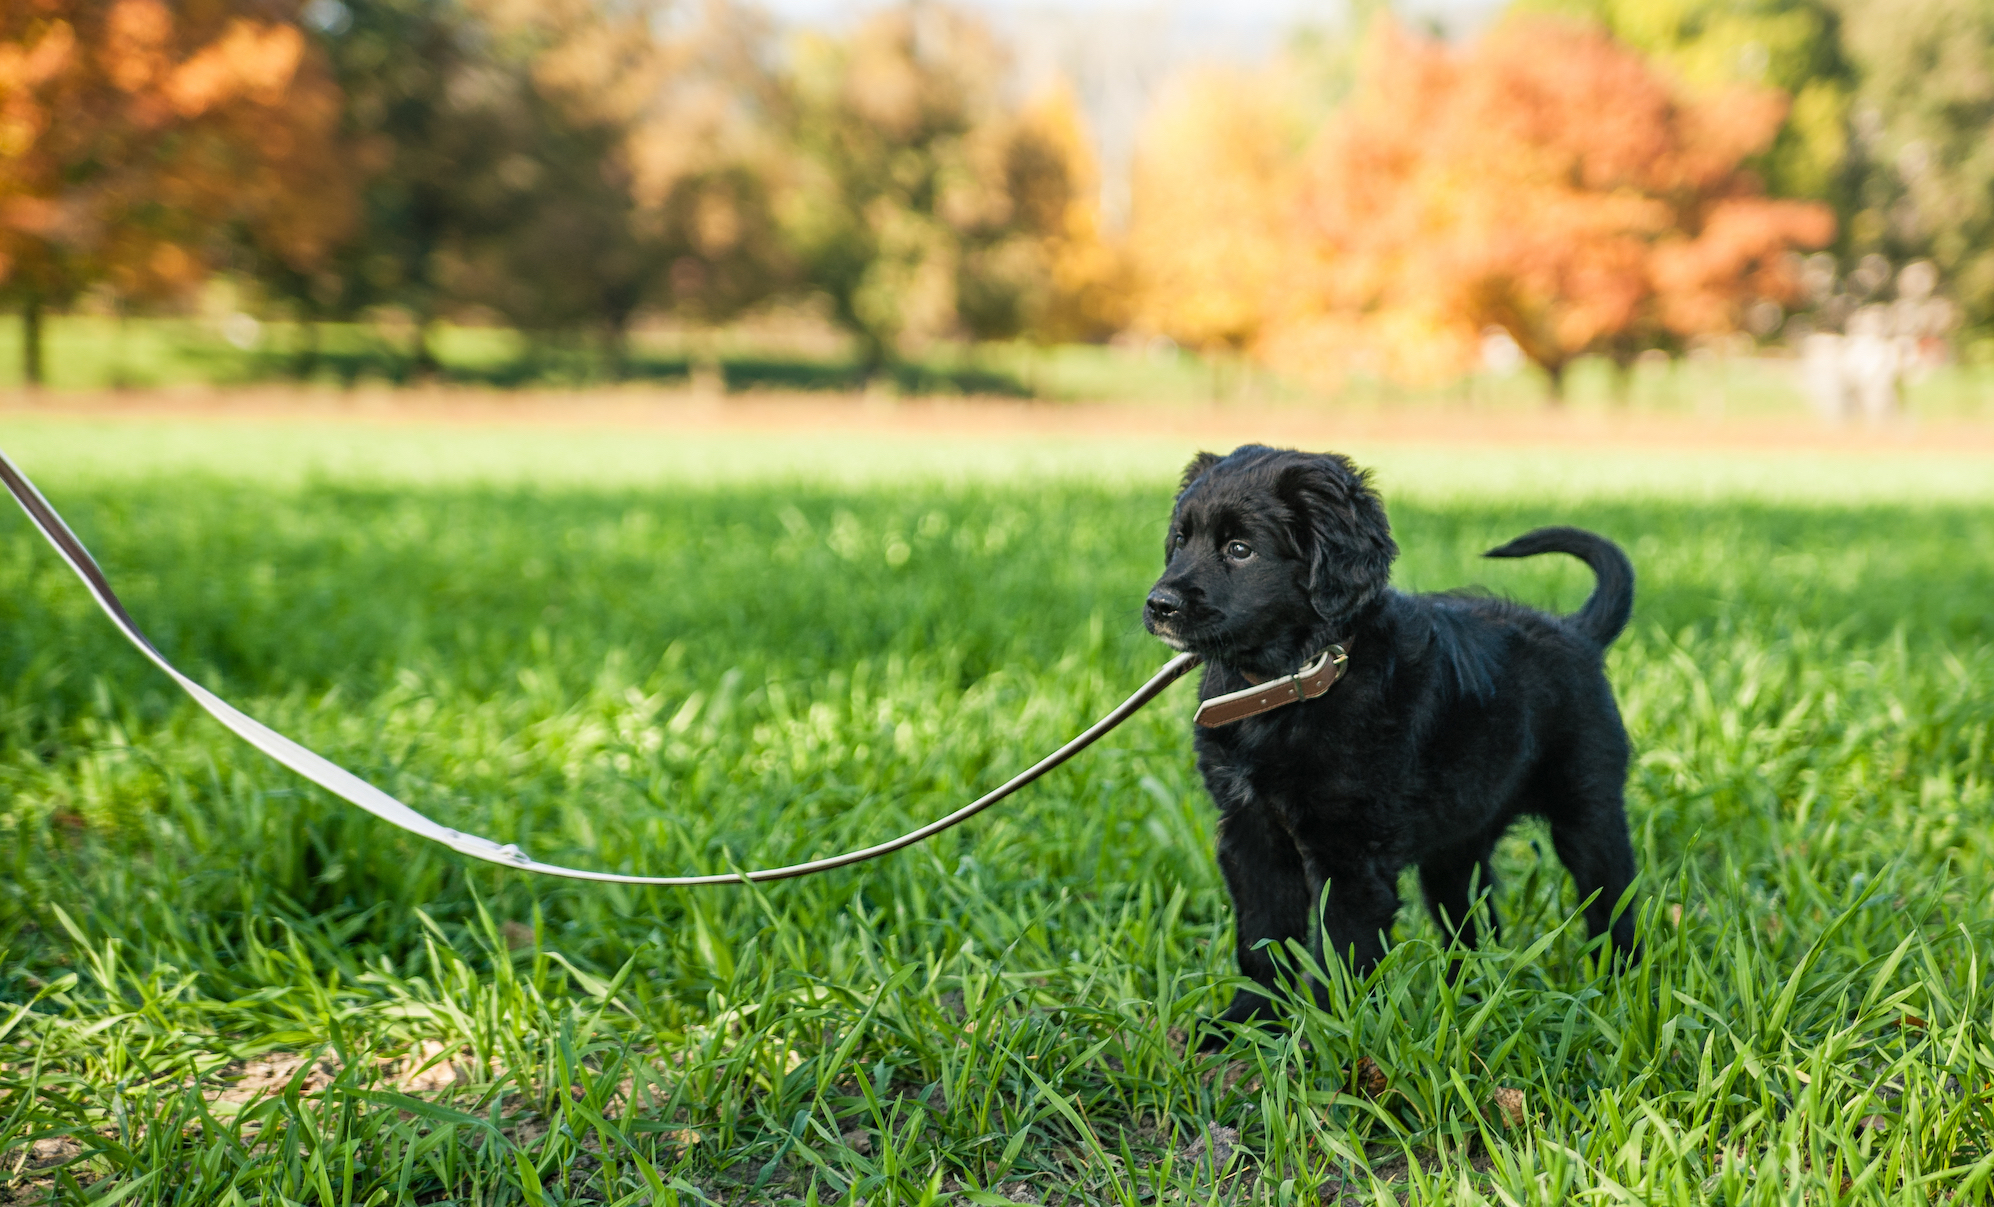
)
(686, 662)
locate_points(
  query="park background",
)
(1141, 204)
(675, 438)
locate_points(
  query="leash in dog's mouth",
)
(351, 788)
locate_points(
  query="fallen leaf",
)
(1509, 1101)
(1369, 1079)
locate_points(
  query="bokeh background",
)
(1774, 203)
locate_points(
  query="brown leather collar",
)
(1311, 681)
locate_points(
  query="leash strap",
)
(344, 784)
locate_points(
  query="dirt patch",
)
(26, 1181)
(268, 1075)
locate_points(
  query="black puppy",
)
(1453, 716)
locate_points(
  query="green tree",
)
(1924, 138)
(921, 206)
(685, 161)
(565, 164)
(426, 120)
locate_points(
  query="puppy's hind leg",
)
(1270, 900)
(1455, 882)
(1589, 829)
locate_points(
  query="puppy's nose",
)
(1163, 602)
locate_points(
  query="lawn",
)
(660, 654)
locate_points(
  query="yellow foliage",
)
(1090, 294)
(1212, 233)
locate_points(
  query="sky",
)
(1226, 28)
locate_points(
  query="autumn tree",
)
(1212, 229)
(1794, 46)
(1218, 166)
(921, 205)
(1547, 182)
(139, 142)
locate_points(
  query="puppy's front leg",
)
(1270, 897)
(1357, 911)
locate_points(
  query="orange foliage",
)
(1547, 182)
(133, 134)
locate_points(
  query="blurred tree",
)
(418, 125)
(1709, 46)
(1924, 132)
(706, 164)
(660, 163)
(1068, 282)
(137, 141)
(563, 163)
(920, 207)
(1212, 232)
(1547, 183)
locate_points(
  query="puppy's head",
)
(1271, 555)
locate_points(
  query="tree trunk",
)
(31, 343)
(616, 348)
(1555, 372)
(305, 352)
(1623, 354)
(874, 357)
(121, 378)
(705, 374)
(425, 366)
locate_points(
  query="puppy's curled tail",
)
(1606, 611)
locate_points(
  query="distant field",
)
(666, 652)
(87, 352)
(379, 445)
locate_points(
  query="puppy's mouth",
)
(1175, 632)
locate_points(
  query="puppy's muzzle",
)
(1162, 606)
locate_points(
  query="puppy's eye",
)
(1238, 551)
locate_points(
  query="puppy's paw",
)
(1248, 1009)
(1210, 1035)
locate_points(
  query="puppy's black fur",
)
(1455, 715)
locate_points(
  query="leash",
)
(349, 787)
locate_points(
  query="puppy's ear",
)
(1196, 469)
(1343, 533)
